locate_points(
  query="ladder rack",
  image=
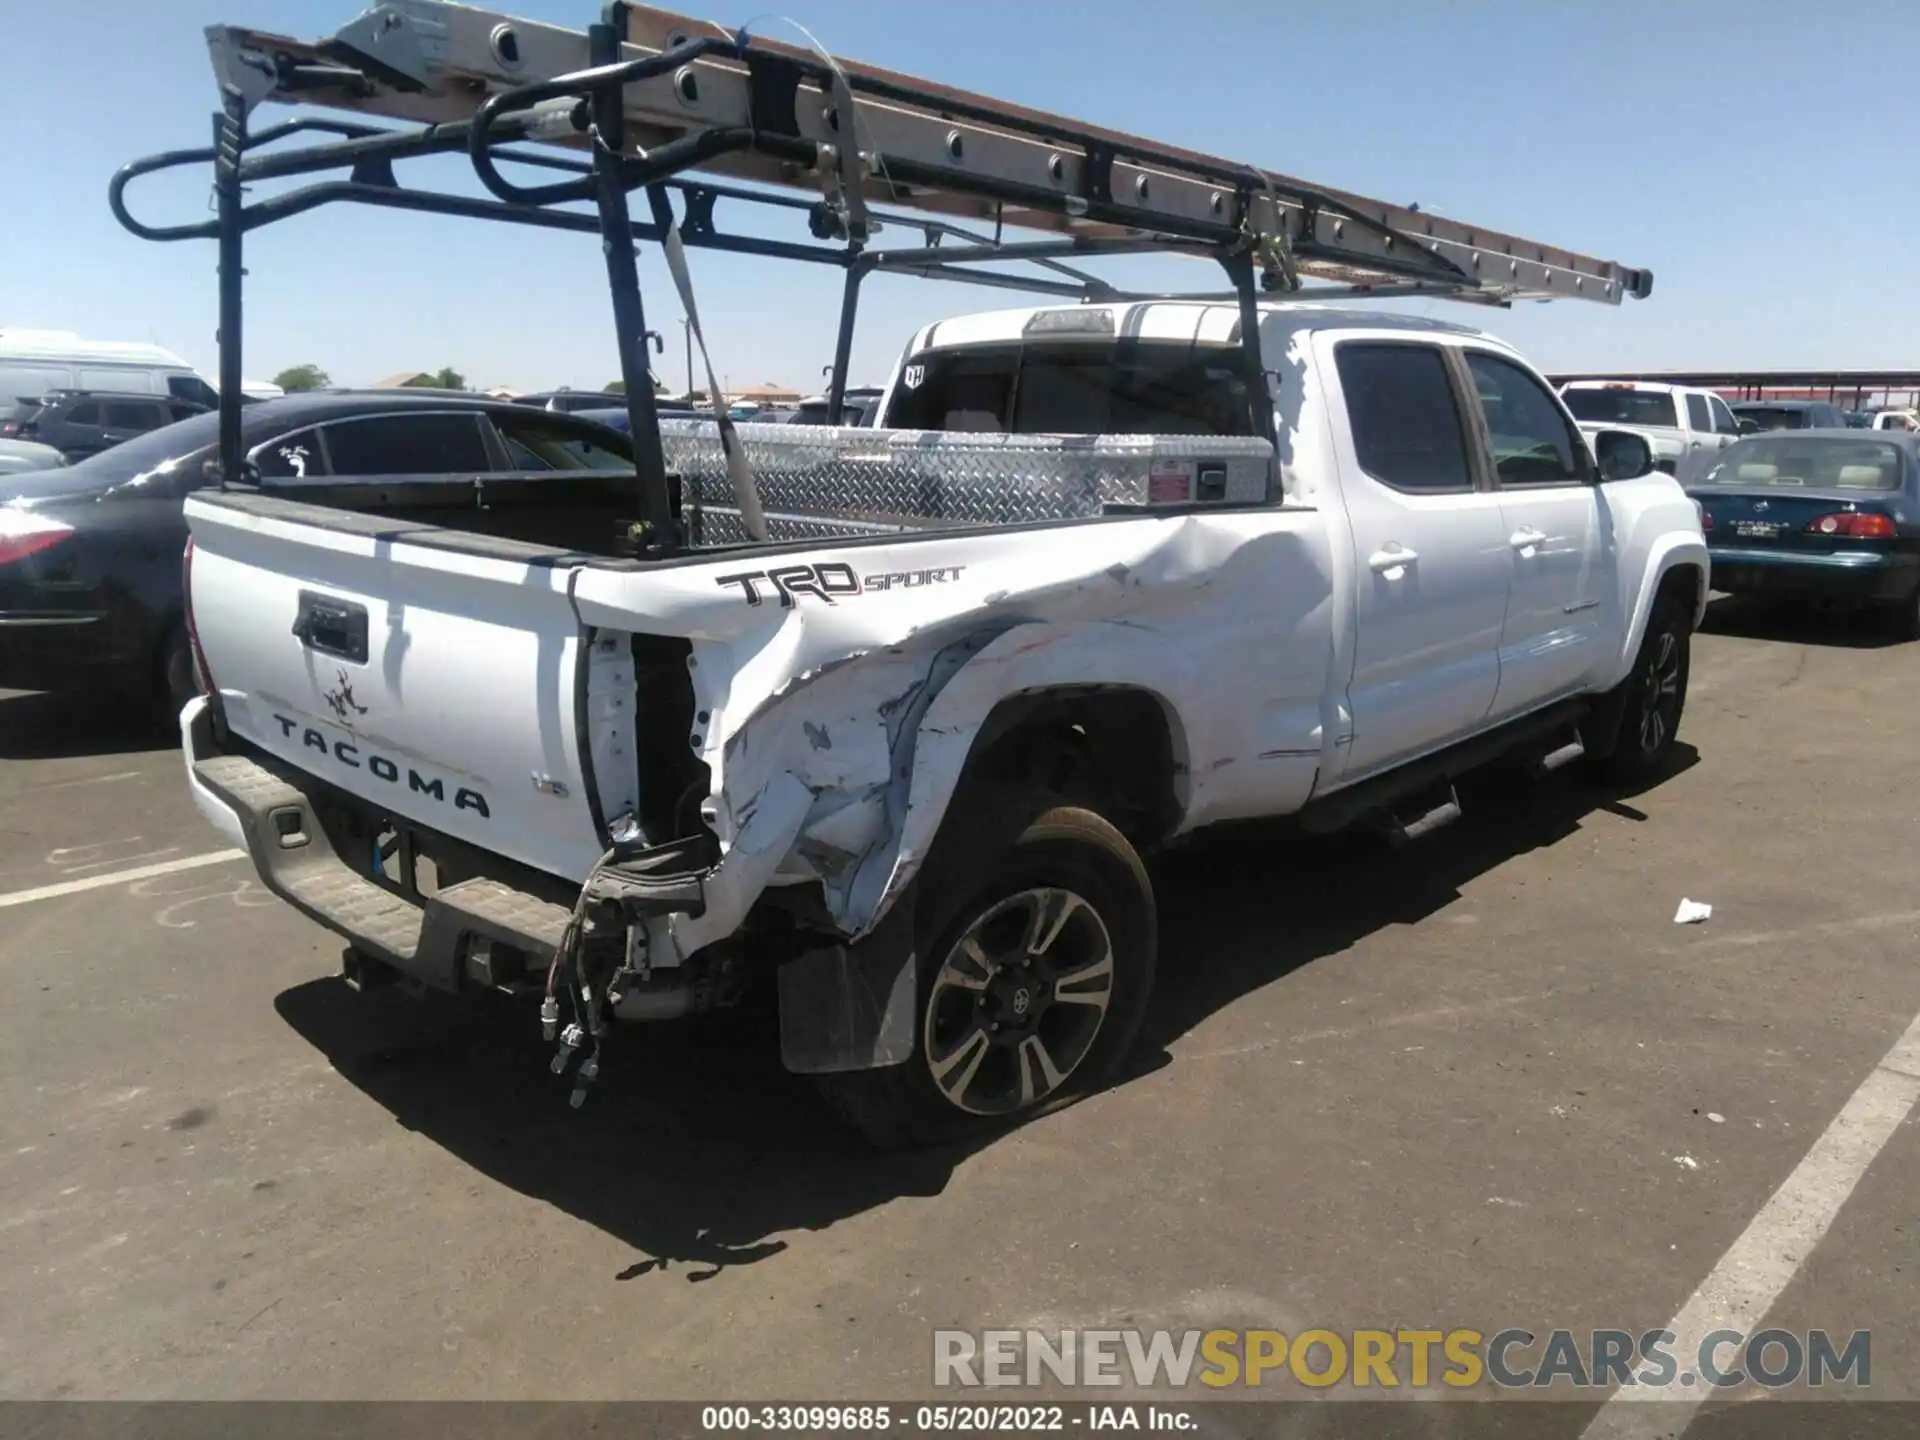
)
(683, 111)
(760, 110)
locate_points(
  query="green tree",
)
(303, 377)
(616, 387)
(445, 378)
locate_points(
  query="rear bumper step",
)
(428, 939)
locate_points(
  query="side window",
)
(192, 387)
(1699, 418)
(408, 445)
(87, 412)
(291, 457)
(1400, 405)
(1723, 421)
(1532, 442)
(131, 415)
(542, 441)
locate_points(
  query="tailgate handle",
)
(333, 627)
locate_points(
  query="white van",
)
(34, 362)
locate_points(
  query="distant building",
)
(401, 381)
(767, 394)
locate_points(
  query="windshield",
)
(1776, 417)
(1075, 388)
(1624, 406)
(1813, 463)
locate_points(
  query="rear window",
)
(1813, 463)
(1777, 417)
(1076, 388)
(1624, 406)
(536, 444)
(86, 412)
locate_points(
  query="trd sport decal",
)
(830, 581)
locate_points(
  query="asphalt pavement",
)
(1485, 1081)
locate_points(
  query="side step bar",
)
(1427, 783)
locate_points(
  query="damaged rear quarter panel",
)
(838, 726)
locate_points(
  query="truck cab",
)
(1686, 427)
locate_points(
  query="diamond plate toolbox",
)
(821, 482)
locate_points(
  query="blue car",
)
(1829, 517)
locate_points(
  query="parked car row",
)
(90, 573)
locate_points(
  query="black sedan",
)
(90, 556)
(1821, 516)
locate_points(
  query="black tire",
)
(1656, 696)
(1029, 1014)
(1904, 617)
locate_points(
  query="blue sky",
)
(1759, 157)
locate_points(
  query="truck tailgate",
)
(437, 684)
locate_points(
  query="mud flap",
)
(851, 1006)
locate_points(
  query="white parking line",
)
(1771, 1250)
(120, 877)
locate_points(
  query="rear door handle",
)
(1526, 537)
(1394, 557)
(332, 627)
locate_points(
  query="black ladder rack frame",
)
(841, 225)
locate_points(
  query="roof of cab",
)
(1181, 320)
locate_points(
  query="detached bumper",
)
(1844, 577)
(268, 812)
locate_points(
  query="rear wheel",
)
(1034, 971)
(1904, 617)
(1656, 695)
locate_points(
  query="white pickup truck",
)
(917, 771)
(886, 716)
(1687, 428)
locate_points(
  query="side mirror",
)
(1622, 455)
(1748, 427)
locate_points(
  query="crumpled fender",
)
(871, 710)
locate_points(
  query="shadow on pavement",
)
(41, 725)
(1752, 618)
(698, 1150)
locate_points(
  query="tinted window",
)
(291, 457)
(1723, 421)
(1775, 417)
(1813, 462)
(407, 445)
(970, 390)
(1075, 388)
(1698, 417)
(131, 415)
(183, 412)
(1143, 390)
(1532, 442)
(534, 443)
(1620, 405)
(85, 413)
(1406, 427)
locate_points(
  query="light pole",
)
(686, 324)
